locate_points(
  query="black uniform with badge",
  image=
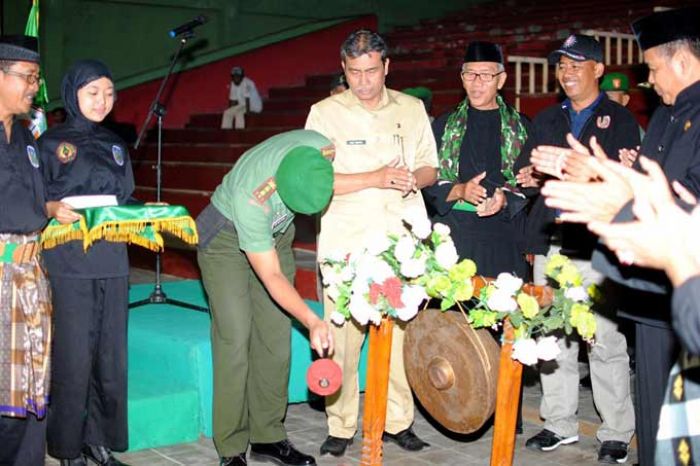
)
(673, 140)
(25, 304)
(90, 289)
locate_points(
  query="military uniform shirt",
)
(22, 204)
(366, 140)
(247, 195)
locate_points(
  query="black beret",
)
(667, 26)
(483, 51)
(19, 48)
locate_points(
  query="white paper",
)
(85, 202)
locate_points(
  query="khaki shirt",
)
(366, 140)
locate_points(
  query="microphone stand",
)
(158, 296)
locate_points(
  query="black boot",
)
(101, 456)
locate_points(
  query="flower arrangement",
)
(396, 273)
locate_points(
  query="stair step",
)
(188, 151)
(198, 135)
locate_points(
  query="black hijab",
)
(80, 74)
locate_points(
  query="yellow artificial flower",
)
(586, 326)
(569, 276)
(556, 261)
(528, 305)
(595, 293)
(462, 271)
(464, 291)
(439, 285)
(578, 311)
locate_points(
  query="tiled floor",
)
(307, 428)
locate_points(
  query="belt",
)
(18, 253)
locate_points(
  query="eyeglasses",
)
(30, 78)
(485, 77)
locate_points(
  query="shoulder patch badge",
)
(328, 152)
(31, 155)
(66, 152)
(118, 154)
(603, 122)
(263, 192)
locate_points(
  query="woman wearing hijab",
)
(87, 414)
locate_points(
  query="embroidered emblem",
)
(66, 152)
(33, 159)
(617, 83)
(328, 152)
(687, 125)
(603, 122)
(118, 154)
(570, 41)
(263, 192)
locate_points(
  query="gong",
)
(452, 369)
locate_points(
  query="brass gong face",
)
(452, 369)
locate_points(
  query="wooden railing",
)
(625, 43)
(533, 63)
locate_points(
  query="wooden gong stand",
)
(507, 394)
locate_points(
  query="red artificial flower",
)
(391, 288)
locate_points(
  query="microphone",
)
(188, 27)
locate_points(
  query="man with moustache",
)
(476, 193)
(585, 113)
(385, 153)
(25, 301)
(670, 41)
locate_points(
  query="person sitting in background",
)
(339, 84)
(616, 86)
(243, 97)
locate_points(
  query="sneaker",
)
(335, 446)
(547, 440)
(613, 452)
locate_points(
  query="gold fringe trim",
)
(125, 231)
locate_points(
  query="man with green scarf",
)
(476, 194)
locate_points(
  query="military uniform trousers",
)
(609, 370)
(250, 344)
(89, 366)
(342, 408)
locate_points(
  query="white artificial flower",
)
(377, 243)
(360, 309)
(446, 254)
(442, 229)
(508, 283)
(576, 293)
(525, 351)
(337, 318)
(548, 348)
(333, 292)
(413, 268)
(329, 276)
(501, 301)
(411, 296)
(419, 222)
(381, 271)
(375, 317)
(359, 287)
(405, 247)
(346, 274)
(335, 256)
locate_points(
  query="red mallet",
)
(324, 377)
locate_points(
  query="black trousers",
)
(89, 376)
(22, 441)
(656, 350)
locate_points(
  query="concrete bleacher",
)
(199, 155)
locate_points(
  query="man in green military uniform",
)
(245, 254)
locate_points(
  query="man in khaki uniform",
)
(385, 153)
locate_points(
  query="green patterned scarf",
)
(513, 136)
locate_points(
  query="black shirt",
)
(23, 200)
(83, 158)
(615, 128)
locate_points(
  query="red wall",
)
(203, 89)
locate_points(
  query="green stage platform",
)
(170, 368)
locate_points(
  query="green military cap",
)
(420, 92)
(304, 180)
(615, 82)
